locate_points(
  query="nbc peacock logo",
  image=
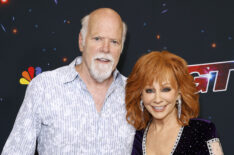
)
(28, 75)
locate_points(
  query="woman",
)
(162, 104)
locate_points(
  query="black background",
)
(186, 27)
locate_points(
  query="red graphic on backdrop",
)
(203, 75)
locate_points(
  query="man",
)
(80, 108)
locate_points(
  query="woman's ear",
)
(179, 96)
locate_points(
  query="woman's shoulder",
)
(201, 124)
(140, 132)
(137, 144)
(139, 136)
(197, 137)
(202, 128)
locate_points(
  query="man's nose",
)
(106, 46)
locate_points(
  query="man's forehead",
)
(105, 12)
(99, 27)
(105, 26)
(105, 19)
(105, 15)
(115, 36)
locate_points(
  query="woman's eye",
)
(149, 90)
(166, 89)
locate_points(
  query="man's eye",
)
(115, 42)
(167, 89)
(149, 90)
(96, 38)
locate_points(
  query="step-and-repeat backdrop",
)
(41, 35)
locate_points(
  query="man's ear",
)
(81, 39)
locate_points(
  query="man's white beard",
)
(100, 71)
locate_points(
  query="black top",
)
(193, 140)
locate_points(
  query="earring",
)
(141, 106)
(179, 107)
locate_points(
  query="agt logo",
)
(28, 75)
(219, 72)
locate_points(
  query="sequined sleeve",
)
(214, 146)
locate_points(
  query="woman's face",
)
(160, 100)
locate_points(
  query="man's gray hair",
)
(84, 29)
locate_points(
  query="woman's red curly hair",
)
(160, 66)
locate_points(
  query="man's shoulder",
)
(124, 78)
(52, 76)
